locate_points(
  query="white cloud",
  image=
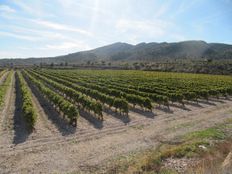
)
(68, 45)
(6, 9)
(163, 9)
(184, 6)
(27, 7)
(178, 37)
(85, 5)
(35, 8)
(152, 30)
(43, 34)
(58, 26)
(7, 54)
(67, 3)
(24, 6)
(19, 36)
(145, 27)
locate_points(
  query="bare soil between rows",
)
(55, 147)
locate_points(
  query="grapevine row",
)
(27, 106)
(4, 86)
(61, 104)
(143, 102)
(115, 102)
(75, 96)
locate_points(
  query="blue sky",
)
(35, 28)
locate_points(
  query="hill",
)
(144, 52)
(153, 52)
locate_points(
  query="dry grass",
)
(216, 143)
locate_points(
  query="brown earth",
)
(56, 147)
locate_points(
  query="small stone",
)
(202, 147)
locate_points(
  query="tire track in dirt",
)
(85, 135)
(7, 112)
(73, 154)
(111, 128)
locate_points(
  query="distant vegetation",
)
(188, 56)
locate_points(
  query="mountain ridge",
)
(148, 52)
(155, 50)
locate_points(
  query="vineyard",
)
(95, 92)
(46, 107)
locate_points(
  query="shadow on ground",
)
(124, 118)
(194, 104)
(164, 109)
(180, 106)
(20, 128)
(62, 125)
(217, 100)
(147, 114)
(206, 102)
(98, 124)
